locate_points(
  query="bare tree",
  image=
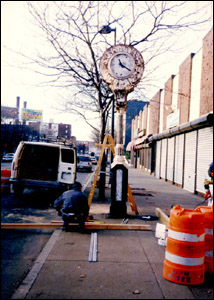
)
(71, 30)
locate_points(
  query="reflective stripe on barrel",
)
(188, 237)
(187, 261)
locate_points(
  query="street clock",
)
(122, 67)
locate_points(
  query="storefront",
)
(180, 155)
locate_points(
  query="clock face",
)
(121, 65)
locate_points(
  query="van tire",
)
(18, 190)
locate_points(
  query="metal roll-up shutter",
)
(157, 160)
(146, 158)
(179, 154)
(138, 158)
(163, 158)
(170, 158)
(190, 160)
(141, 158)
(149, 159)
(204, 156)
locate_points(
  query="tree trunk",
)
(103, 165)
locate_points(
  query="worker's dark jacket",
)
(72, 201)
(210, 170)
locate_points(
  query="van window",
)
(39, 162)
(84, 158)
(67, 156)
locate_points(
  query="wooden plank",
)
(91, 194)
(132, 201)
(88, 225)
(111, 144)
(162, 216)
(117, 226)
(107, 145)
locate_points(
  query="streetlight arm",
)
(106, 29)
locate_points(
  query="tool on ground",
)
(149, 218)
(93, 248)
(125, 221)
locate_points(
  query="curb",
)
(27, 283)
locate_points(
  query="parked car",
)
(8, 157)
(84, 163)
(93, 160)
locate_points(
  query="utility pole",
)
(106, 29)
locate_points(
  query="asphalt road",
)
(20, 248)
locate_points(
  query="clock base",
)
(119, 189)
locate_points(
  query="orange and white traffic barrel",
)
(208, 259)
(184, 255)
(5, 176)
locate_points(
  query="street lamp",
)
(106, 29)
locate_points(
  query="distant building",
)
(64, 130)
(9, 115)
(52, 130)
(133, 109)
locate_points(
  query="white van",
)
(43, 165)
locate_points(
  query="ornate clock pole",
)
(122, 67)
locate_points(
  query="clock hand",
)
(127, 68)
(123, 66)
(120, 64)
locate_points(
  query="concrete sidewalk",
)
(130, 262)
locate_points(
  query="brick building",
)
(64, 130)
(52, 130)
(174, 139)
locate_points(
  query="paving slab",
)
(101, 280)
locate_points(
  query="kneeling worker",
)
(72, 205)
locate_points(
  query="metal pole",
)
(120, 128)
(112, 124)
(112, 118)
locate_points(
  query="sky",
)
(17, 34)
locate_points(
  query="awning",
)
(140, 140)
(131, 146)
(203, 121)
